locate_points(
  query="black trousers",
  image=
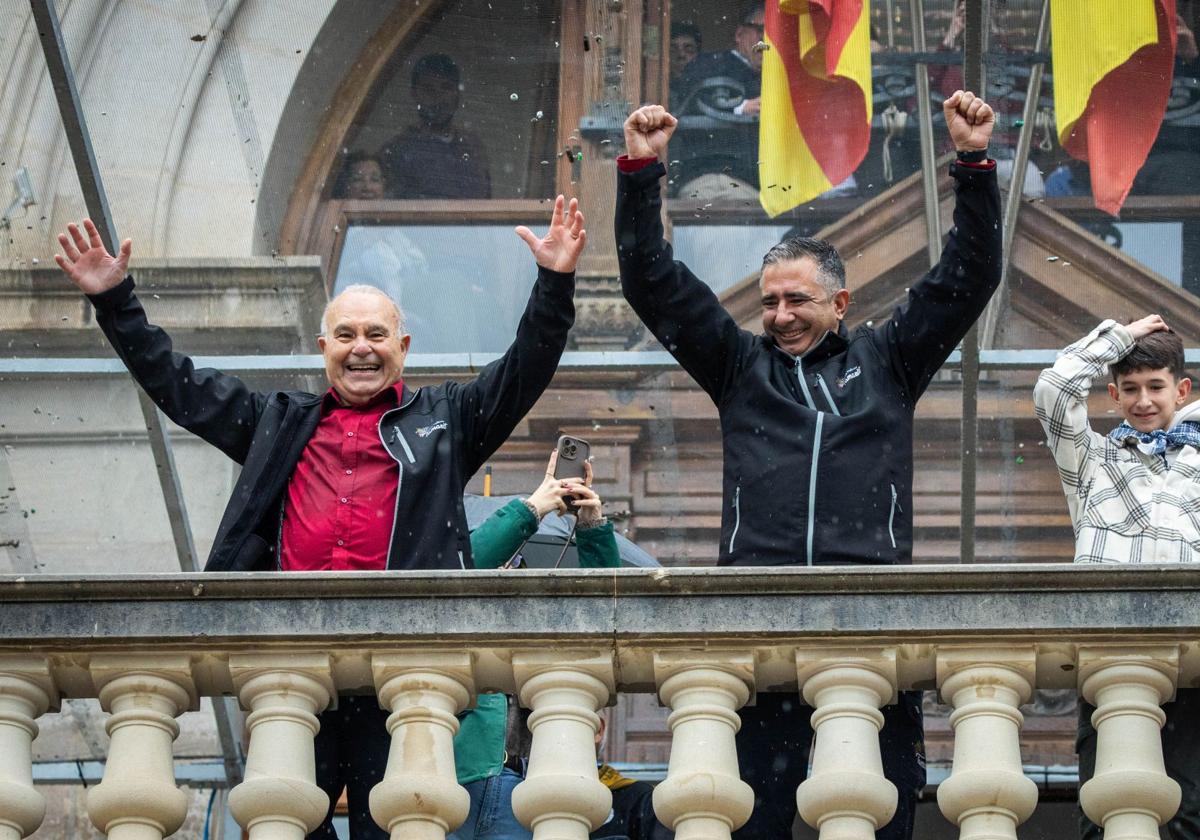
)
(773, 746)
(352, 752)
(1181, 754)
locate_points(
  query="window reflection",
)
(462, 289)
(456, 116)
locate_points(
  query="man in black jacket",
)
(369, 475)
(816, 420)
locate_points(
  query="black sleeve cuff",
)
(114, 297)
(646, 176)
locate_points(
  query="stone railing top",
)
(633, 612)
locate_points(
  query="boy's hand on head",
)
(1150, 324)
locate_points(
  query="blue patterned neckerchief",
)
(1158, 442)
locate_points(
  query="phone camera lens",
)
(571, 450)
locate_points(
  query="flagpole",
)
(973, 42)
(933, 222)
(1012, 207)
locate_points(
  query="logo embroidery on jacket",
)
(848, 375)
(426, 431)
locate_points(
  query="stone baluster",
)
(26, 692)
(703, 796)
(419, 797)
(137, 799)
(846, 797)
(1130, 794)
(562, 797)
(987, 795)
(279, 798)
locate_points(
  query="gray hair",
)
(362, 288)
(830, 270)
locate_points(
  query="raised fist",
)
(970, 121)
(647, 132)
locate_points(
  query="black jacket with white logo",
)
(438, 435)
(818, 449)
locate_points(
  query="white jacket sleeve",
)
(1060, 398)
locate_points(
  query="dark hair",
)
(749, 10)
(341, 187)
(1158, 350)
(435, 64)
(830, 269)
(686, 27)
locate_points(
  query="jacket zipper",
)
(892, 513)
(399, 474)
(398, 435)
(737, 515)
(804, 385)
(812, 483)
(828, 396)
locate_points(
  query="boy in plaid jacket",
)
(1134, 496)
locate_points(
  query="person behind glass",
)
(367, 476)
(817, 420)
(632, 816)
(485, 767)
(686, 41)
(436, 156)
(742, 63)
(361, 177)
(1132, 495)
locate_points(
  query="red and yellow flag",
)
(1113, 62)
(815, 125)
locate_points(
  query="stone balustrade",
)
(566, 643)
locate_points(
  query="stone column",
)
(703, 796)
(137, 799)
(279, 798)
(1131, 794)
(987, 795)
(562, 797)
(419, 797)
(26, 692)
(847, 797)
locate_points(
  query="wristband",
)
(974, 156)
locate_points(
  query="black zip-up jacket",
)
(818, 449)
(438, 435)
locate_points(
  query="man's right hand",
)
(87, 263)
(1150, 324)
(647, 132)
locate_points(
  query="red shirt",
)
(341, 499)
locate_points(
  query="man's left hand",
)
(970, 121)
(560, 248)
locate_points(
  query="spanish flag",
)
(815, 125)
(1113, 62)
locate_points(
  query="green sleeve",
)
(597, 547)
(493, 542)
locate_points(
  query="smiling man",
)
(365, 477)
(816, 419)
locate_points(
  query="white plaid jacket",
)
(1126, 506)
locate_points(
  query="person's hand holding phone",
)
(550, 493)
(587, 503)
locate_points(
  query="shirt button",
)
(341, 542)
(349, 434)
(344, 500)
(349, 472)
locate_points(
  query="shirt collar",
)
(388, 396)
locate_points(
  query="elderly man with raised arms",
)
(366, 476)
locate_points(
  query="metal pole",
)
(972, 80)
(1012, 206)
(933, 222)
(58, 64)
